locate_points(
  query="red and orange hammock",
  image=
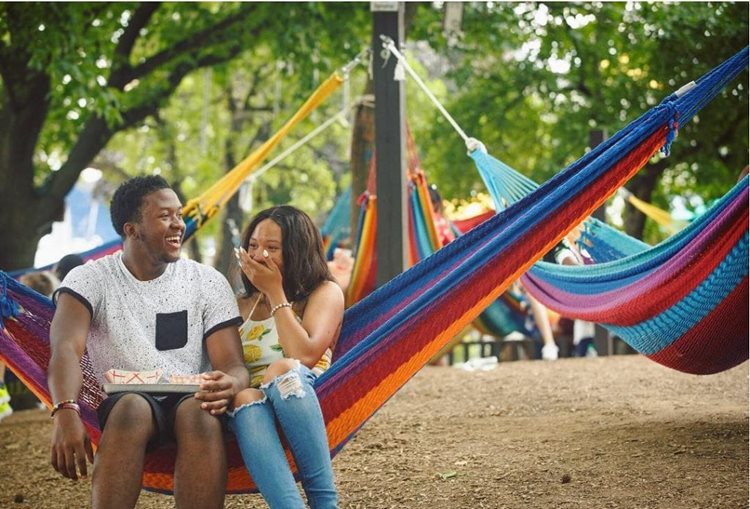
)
(388, 336)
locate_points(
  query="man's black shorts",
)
(163, 411)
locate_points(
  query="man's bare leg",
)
(201, 466)
(118, 463)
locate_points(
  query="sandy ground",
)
(617, 432)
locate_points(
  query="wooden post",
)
(390, 144)
(602, 339)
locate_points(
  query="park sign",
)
(383, 6)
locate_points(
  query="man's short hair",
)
(128, 198)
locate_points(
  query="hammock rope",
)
(199, 210)
(390, 45)
(338, 117)
(660, 216)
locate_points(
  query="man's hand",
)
(71, 446)
(217, 391)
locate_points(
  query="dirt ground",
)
(617, 432)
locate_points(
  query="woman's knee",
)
(247, 396)
(278, 368)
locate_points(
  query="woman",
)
(293, 311)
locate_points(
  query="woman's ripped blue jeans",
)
(291, 401)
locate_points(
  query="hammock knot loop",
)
(9, 308)
(473, 144)
(195, 211)
(673, 127)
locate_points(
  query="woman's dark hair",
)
(305, 266)
(128, 198)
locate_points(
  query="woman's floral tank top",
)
(260, 347)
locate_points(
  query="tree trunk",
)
(231, 215)
(26, 213)
(231, 227)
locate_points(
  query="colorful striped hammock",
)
(388, 336)
(337, 227)
(663, 301)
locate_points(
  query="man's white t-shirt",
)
(147, 325)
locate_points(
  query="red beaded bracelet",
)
(68, 404)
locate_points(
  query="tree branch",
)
(257, 77)
(96, 133)
(189, 46)
(121, 56)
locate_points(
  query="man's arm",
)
(70, 442)
(230, 375)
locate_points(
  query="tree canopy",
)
(76, 74)
(189, 89)
(531, 80)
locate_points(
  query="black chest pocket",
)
(171, 330)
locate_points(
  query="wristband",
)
(69, 404)
(279, 306)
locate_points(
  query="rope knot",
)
(473, 144)
(673, 127)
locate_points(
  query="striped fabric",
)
(336, 227)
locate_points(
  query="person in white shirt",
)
(145, 308)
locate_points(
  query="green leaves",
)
(531, 80)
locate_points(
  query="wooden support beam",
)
(390, 144)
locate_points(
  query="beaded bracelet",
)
(69, 404)
(279, 306)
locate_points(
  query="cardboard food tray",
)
(152, 388)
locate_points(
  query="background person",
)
(42, 281)
(66, 264)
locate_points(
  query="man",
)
(146, 309)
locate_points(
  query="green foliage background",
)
(529, 79)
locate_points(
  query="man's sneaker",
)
(4, 396)
(5, 410)
(549, 352)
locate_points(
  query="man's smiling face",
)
(161, 228)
